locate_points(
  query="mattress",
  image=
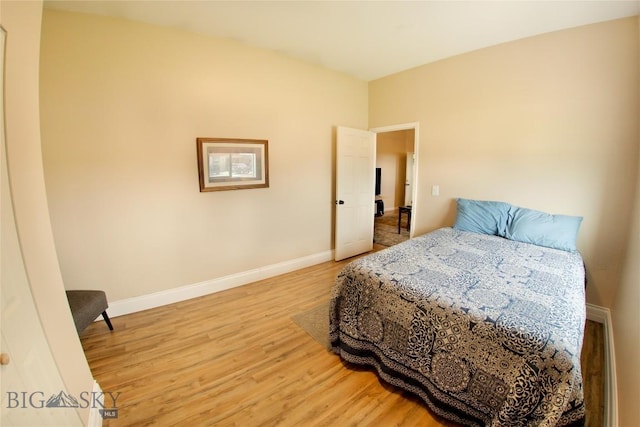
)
(486, 331)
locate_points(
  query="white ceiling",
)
(367, 39)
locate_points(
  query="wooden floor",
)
(235, 358)
(592, 361)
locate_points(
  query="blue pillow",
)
(543, 229)
(481, 216)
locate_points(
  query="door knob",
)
(339, 202)
(4, 359)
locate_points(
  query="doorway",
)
(396, 160)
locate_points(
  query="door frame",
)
(414, 188)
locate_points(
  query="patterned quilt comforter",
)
(487, 331)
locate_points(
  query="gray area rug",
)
(387, 235)
(315, 322)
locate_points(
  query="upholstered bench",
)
(86, 306)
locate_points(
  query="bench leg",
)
(106, 319)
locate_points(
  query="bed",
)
(486, 330)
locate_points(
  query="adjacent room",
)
(185, 159)
(395, 168)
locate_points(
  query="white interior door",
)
(28, 374)
(355, 198)
(408, 184)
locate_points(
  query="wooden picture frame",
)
(232, 164)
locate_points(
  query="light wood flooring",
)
(235, 358)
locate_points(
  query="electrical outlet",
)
(435, 190)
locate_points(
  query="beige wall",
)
(548, 122)
(626, 327)
(21, 20)
(391, 156)
(626, 322)
(122, 105)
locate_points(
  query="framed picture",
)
(232, 164)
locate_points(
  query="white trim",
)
(393, 128)
(170, 296)
(95, 419)
(603, 315)
(597, 313)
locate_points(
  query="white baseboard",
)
(603, 315)
(182, 293)
(95, 418)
